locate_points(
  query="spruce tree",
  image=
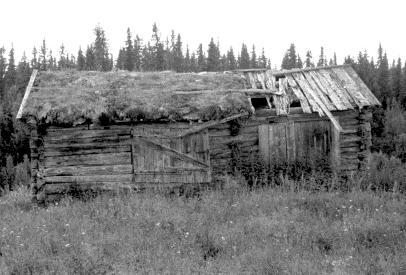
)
(299, 63)
(101, 51)
(335, 59)
(3, 67)
(253, 61)
(120, 59)
(34, 60)
(90, 59)
(262, 60)
(62, 63)
(23, 73)
(43, 66)
(178, 55)
(231, 62)
(403, 91)
(382, 76)
(244, 60)
(10, 75)
(322, 58)
(201, 59)
(213, 56)
(137, 52)
(309, 60)
(51, 64)
(129, 61)
(158, 54)
(289, 60)
(396, 79)
(187, 62)
(193, 63)
(81, 62)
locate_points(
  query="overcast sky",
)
(344, 26)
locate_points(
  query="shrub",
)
(385, 173)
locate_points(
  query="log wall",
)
(102, 155)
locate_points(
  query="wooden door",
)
(294, 140)
(167, 160)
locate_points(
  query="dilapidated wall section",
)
(118, 156)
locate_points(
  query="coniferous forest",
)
(386, 79)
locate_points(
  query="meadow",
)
(233, 231)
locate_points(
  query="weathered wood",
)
(337, 90)
(26, 94)
(55, 135)
(263, 141)
(303, 84)
(124, 178)
(350, 86)
(362, 87)
(88, 170)
(299, 94)
(174, 153)
(318, 93)
(72, 151)
(326, 89)
(90, 140)
(252, 80)
(261, 79)
(210, 124)
(88, 160)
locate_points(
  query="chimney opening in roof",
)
(260, 103)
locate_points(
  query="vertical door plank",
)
(263, 141)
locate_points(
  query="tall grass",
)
(233, 230)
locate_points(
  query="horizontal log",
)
(79, 134)
(70, 142)
(88, 160)
(72, 151)
(93, 178)
(88, 170)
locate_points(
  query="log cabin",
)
(108, 130)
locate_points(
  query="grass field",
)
(232, 231)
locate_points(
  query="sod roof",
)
(72, 97)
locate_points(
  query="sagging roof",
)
(334, 88)
(72, 97)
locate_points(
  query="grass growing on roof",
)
(71, 97)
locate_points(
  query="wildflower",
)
(17, 236)
(21, 244)
(67, 224)
(158, 224)
(223, 238)
(83, 233)
(187, 234)
(178, 252)
(11, 232)
(234, 205)
(67, 245)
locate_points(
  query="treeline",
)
(387, 80)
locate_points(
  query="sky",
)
(345, 26)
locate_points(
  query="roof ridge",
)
(280, 72)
